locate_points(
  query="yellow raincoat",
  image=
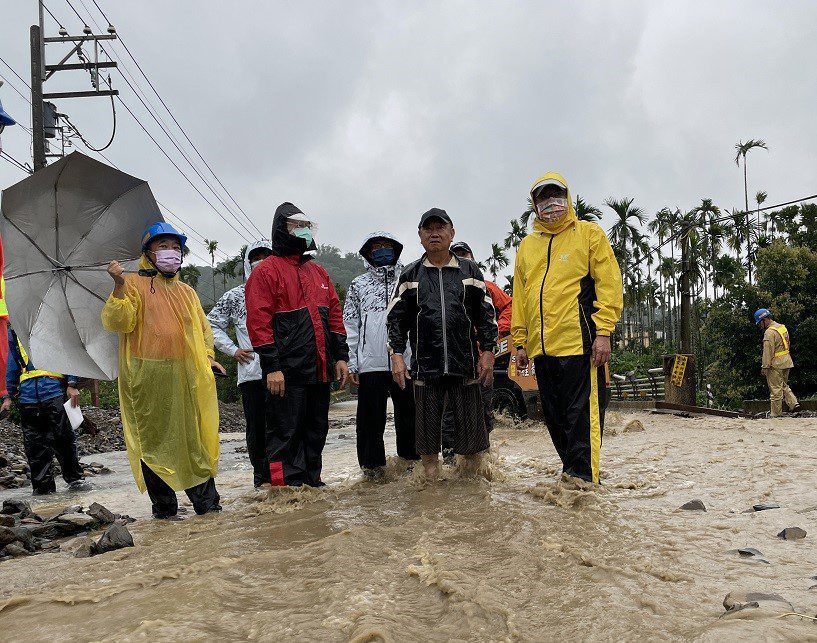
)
(584, 293)
(167, 391)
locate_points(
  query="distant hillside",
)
(342, 268)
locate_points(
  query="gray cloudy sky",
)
(365, 114)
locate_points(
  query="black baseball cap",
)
(435, 213)
(461, 248)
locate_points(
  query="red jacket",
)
(502, 304)
(295, 320)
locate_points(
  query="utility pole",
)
(37, 98)
(41, 72)
(686, 308)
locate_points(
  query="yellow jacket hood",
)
(567, 286)
(566, 221)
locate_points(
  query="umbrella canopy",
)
(61, 227)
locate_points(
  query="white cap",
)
(300, 216)
(542, 184)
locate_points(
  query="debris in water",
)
(736, 601)
(750, 553)
(694, 505)
(633, 426)
(792, 533)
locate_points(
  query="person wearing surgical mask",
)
(567, 299)
(364, 315)
(295, 324)
(231, 310)
(167, 392)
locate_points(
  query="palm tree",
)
(525, 217)
(742, 150)
(225, 270)
(211, 249)
(585, 211)
(624, 234)
(515, 235)
(660, 226)
(714, 233)
(760, 198)
(190, 275)
(509, 286)
(497, 260)
(624, 230)
(669, 270)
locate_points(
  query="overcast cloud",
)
(365, 114)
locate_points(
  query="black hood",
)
(285, 244)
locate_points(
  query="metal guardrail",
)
(630, 387)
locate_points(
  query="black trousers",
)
(487, 409)
(204, 496)
(574, 397)
(465, 399)
(254, 399)
(297, 425)
(372, 395)
(47, 434)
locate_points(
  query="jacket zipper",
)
(363, 346)
(445, 325)
(586, 324)
(469, 331)
(541, 295)
(386, 279)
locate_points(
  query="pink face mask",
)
(551, 209)
(169, 261)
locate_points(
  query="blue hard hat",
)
(760, 314)
(160, 229)
(5, 119)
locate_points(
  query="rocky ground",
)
(23, 532)
(101, 432)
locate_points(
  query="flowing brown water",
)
(518, 557)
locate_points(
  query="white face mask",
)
(551, 209)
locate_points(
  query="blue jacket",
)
(35, 389)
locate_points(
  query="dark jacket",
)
(32, 390)
(294, 317)
(446, 314)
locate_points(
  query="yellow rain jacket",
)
(567, 285)
(167, 391)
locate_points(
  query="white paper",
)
(74, 414)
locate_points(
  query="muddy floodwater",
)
(517, 556)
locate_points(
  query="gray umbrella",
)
(61, 227)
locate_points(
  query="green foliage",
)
(731, 344)
(342, 268)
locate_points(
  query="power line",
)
(143, 98)
(175, 120)
(52, 16)
(19, 93)
(198, 237)
(13, 161)
(11, 69)
(162, 150)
